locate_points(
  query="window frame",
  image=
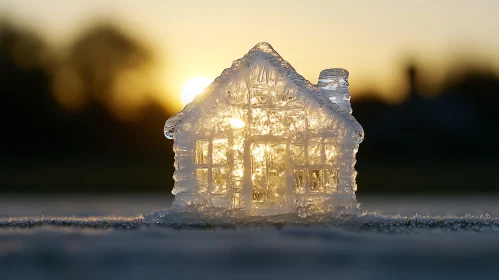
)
(324, 167)
(210, 166)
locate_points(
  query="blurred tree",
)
(107, 81)
(71, 114)
(106, 66)
(30, 115)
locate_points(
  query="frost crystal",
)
(263, 140)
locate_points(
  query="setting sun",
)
(194, 87)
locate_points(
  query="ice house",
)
(264, 140)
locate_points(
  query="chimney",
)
(334, 82)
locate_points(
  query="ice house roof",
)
(266, 52)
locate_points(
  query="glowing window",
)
(315, 162)
(202, 179)
(202, 151)
(219, 153)
(300, 178)
(211, 172)
(330, 153)
(331, 180)
(219, 180)
(314, 151)
(298, 154)
(316, 180)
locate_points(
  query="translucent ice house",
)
(264, 140)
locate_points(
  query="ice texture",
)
(193, 217)
(363, 221)
(262, 140)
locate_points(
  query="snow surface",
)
(370, 222)
(189, 246)
(263, 252)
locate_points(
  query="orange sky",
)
(372, 39)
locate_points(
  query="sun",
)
(194, 87)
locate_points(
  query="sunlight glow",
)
(194, 87)
(236, 123)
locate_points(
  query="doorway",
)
(268, 175)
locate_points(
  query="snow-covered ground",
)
(373, 246)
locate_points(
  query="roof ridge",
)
(266, 51)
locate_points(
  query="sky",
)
(374, 40)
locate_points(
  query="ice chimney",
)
(334, 82)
